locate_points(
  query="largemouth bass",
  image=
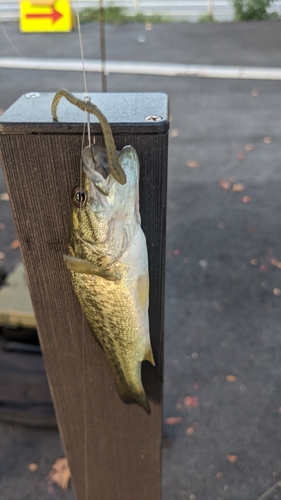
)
(107, 258)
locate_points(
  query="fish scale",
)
(107, 258)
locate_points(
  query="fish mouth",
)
(96, 168)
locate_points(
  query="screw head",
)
(30, 95)
(153, 118)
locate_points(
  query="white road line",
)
(144, 68)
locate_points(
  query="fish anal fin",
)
(149, 356)
(84, 267)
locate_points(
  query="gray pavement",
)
(222, 317)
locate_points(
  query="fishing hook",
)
(113, 162)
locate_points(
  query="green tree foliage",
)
(247, 10)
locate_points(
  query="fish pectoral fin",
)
(149, 356)
(84, 267)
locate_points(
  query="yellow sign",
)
(42, 18)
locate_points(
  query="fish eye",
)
(79, 197)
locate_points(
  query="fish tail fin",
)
(132, 391)
(149, 356)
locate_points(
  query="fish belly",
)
(118, 314)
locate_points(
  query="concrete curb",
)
(144, 68)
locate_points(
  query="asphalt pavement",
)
(223, 288)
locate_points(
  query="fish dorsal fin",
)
(84, 267)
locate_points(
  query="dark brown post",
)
(114, 450)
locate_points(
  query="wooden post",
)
(114, 450)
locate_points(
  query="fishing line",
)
(81, 50)
(87, 98)
(102, 47)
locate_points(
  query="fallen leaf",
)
(252, 230)
(276, 291)
(221, 225)
(262, 267)
(193, 164)
(267, 140)
(2, 111)
(254, 262)
(191, 402)
(174, 132)
(2, 255)
(240, 156)
(249, 147)
(2, 225)
(218, 475)
(238, 187)
(173, 420)
(176, 252)
(208, 403)
(279, 409)
(148, 26)
(186, 260)
(60, 473)
(246, 199)
(4, 196)
(232, 458)
(254, 93)
(224, 184)
(15, 244)
(276, 263)
(190, 431)
(195, 386)
(275, 473)
(32, 467)
(231, 378)
(178, 406)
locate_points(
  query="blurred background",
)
(222, 388)
(168, 10)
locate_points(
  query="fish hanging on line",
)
(107, 257)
